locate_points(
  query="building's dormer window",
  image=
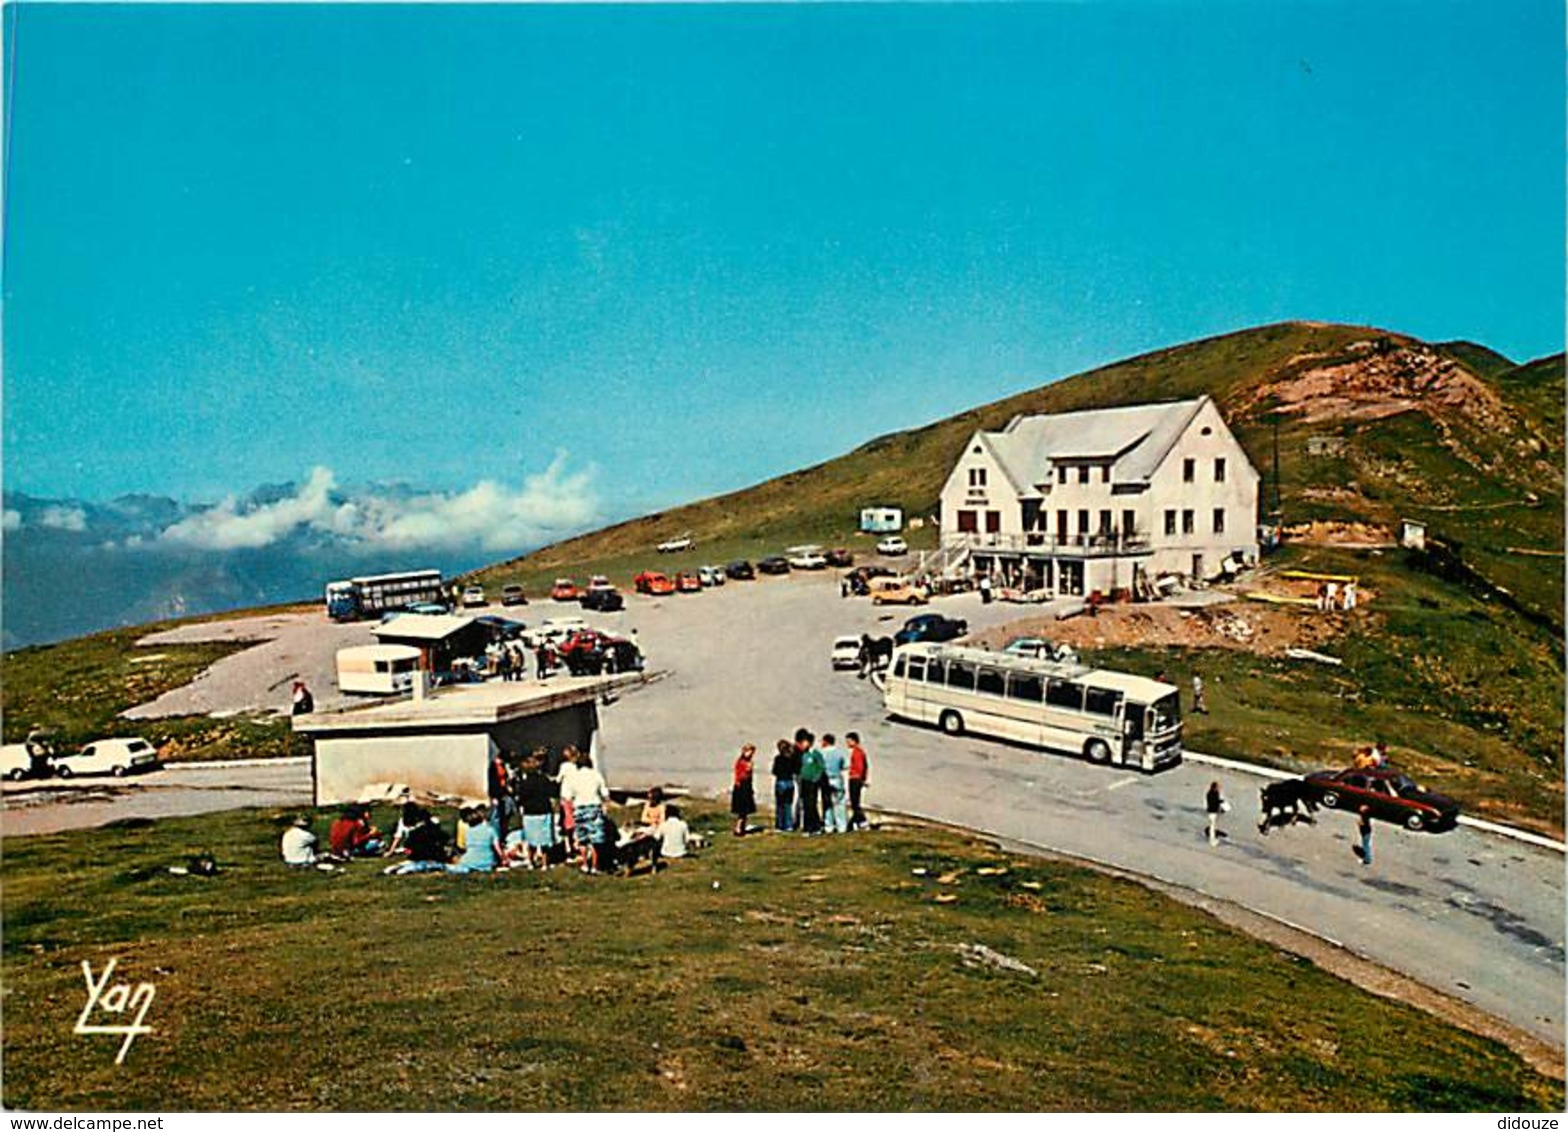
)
(1105, 473)
(1083, 473)
(1061, 473)
(976, 477)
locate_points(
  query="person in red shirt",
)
(859, 771)
(352, 835)
(743, 799)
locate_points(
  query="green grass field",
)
(768, 973)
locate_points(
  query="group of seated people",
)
(533, 821)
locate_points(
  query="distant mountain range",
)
(75, 566)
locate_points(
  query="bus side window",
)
(936, 672)
(917, 667)
(898, 669)
(1101, 701)
(1020, 687)
(1064, 694)
(960, 675)
(990, 682)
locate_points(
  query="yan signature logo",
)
(121, 1000)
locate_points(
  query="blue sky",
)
(644, 254)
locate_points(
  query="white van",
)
(377, 670)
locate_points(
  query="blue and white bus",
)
(375, 594)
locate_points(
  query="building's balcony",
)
(1107, 545)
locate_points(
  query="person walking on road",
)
(1215, 804)
(1364, 829)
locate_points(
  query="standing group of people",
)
(817, 785)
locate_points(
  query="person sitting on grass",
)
(299, 844)
(427, 844)
(653, 812)
(482, 852)
(408, 817)
(352, 835)
(674, 834)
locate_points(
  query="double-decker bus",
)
(375, 594)
(1107, 717)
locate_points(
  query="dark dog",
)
(1283, 803)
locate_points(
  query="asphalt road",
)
(1468, 913)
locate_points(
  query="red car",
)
(565, 590)
(688, 583)
(653, 583)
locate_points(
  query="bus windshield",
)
(1165, 713)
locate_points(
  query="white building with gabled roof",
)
(1101, 499)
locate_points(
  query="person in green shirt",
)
(813, 773)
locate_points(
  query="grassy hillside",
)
(868, 972)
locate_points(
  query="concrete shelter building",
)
(1102, 499)
(442, 743)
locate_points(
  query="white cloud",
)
(494, 516)
(13, 520)
(63, 518)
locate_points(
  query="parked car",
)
(893, 545)
(931, 627)
(896, 591)
(773, 564)
(675, 545)
(705, 575)
(688, 583)
(603, 601)
(473, 597)
(654, 583)
(554, 629)
(428, 609)
(740, 570)
(806, 558)
(1390, 793)
(599, 582)
(565, 590)
(513, 595)
(718, 574)
(501, 628)
(846, 652)
(118, 757)
(860, 577)
(588, 652)
(1037, 647)
(15, 764)
(839, 556)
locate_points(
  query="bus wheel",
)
(1097, 752)
(952, 723)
